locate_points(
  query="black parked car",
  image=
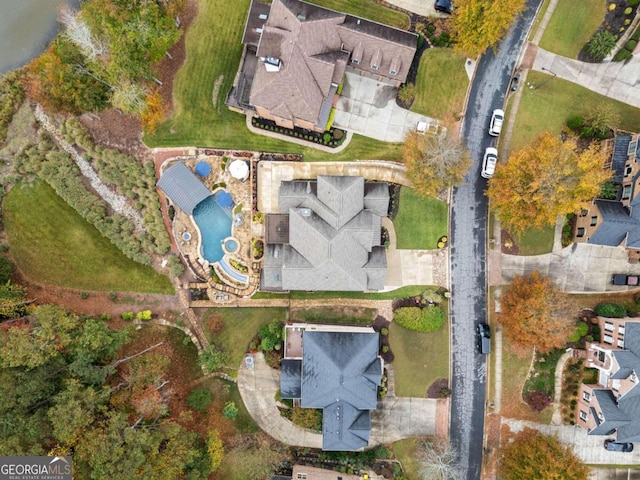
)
(484, 338)
(445, 6)
(614, 446)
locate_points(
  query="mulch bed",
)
(613, 22)
(508, 243)
(434, 389)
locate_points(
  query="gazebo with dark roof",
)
(183, 188)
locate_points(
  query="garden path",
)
(557, 410)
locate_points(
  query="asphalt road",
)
(468, 251)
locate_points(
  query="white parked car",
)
(489, 162)
(496, 122)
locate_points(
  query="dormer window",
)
(627, 170)
(355, 61)
(632, 147)
(374, 67)
(393, 72)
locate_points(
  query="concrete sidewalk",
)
(617, 80)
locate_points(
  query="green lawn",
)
(240, 326)
(403, 292)
(405, 451)
(572, 25)
(335, 315)
(538, 19)
(213, 44)
(420, 358)
(548, 107)
(536, 241)
(369, 10)
(54, 245)
(420, 222)
(441, 84)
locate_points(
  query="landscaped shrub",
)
(581, 330)
(601, 44)
(575, 123)
(212, 358)
(326, 137)
(630, 45)
(11, 97)
(628, 10)
(128, 316)
(310, 418)
(608, 191)
(537, 401)
(427, 319)
(407, 93)
(632, 3)
(230, 411)
(144, 315)
(199, 399)
(271, 336)
(611, 310)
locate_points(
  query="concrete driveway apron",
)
(369, 108)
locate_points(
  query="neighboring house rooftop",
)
(621, 412)
(340, 374)
(184, 189)
(304, 51)
(333, 237)
(616, 224)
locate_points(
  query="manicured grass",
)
(368, 10)
(213, 44)
(54, 245)
(572, 25)
(420, 358)
(441, 84)
(536, 241)
(420, 221)
(409, 291)
(240, 326)
(405, 451)
(548, 107)
(543, 376)
(335, 315)
(538, 19)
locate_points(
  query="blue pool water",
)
(233, 273)
(214, 223)
(231, 245)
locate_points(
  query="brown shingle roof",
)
(312, 44)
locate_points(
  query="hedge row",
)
(427, 319)
(58, 169)
(130, 178)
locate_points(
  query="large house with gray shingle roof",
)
(613, 404)
(296, 55)
(327, 236)
(616, 222)
(337, 369)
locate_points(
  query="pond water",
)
(26, 27)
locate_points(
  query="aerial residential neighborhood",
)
(320, 239)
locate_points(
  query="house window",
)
(594, 220)
(580, 232)
(355, 61)
(632, 377)
(626, 192)
(608, 339)
(374, 67)
(302, 476)
(621, 342)
(583, 212)
(600, 416)
(632, 147)
(627, 170)
(620, 330)
(600, 356)
(393, 72)
(586, 396)
(583, 415)
(608, 326)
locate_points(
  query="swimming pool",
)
(214, 223)
(233, 273)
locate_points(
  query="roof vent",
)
(308, 187)
(302, 17)
(262, 16)
(305, 212)
(358, 22)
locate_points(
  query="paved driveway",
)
(369, 108)
(578, 268)
(589, 448)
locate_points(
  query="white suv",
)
(489, 162)
(496, 122)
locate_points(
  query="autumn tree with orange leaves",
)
(435, 162)
(480, 24)
(550, 177)
(534, 312)
(536, 456)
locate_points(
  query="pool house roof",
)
(183, 188)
